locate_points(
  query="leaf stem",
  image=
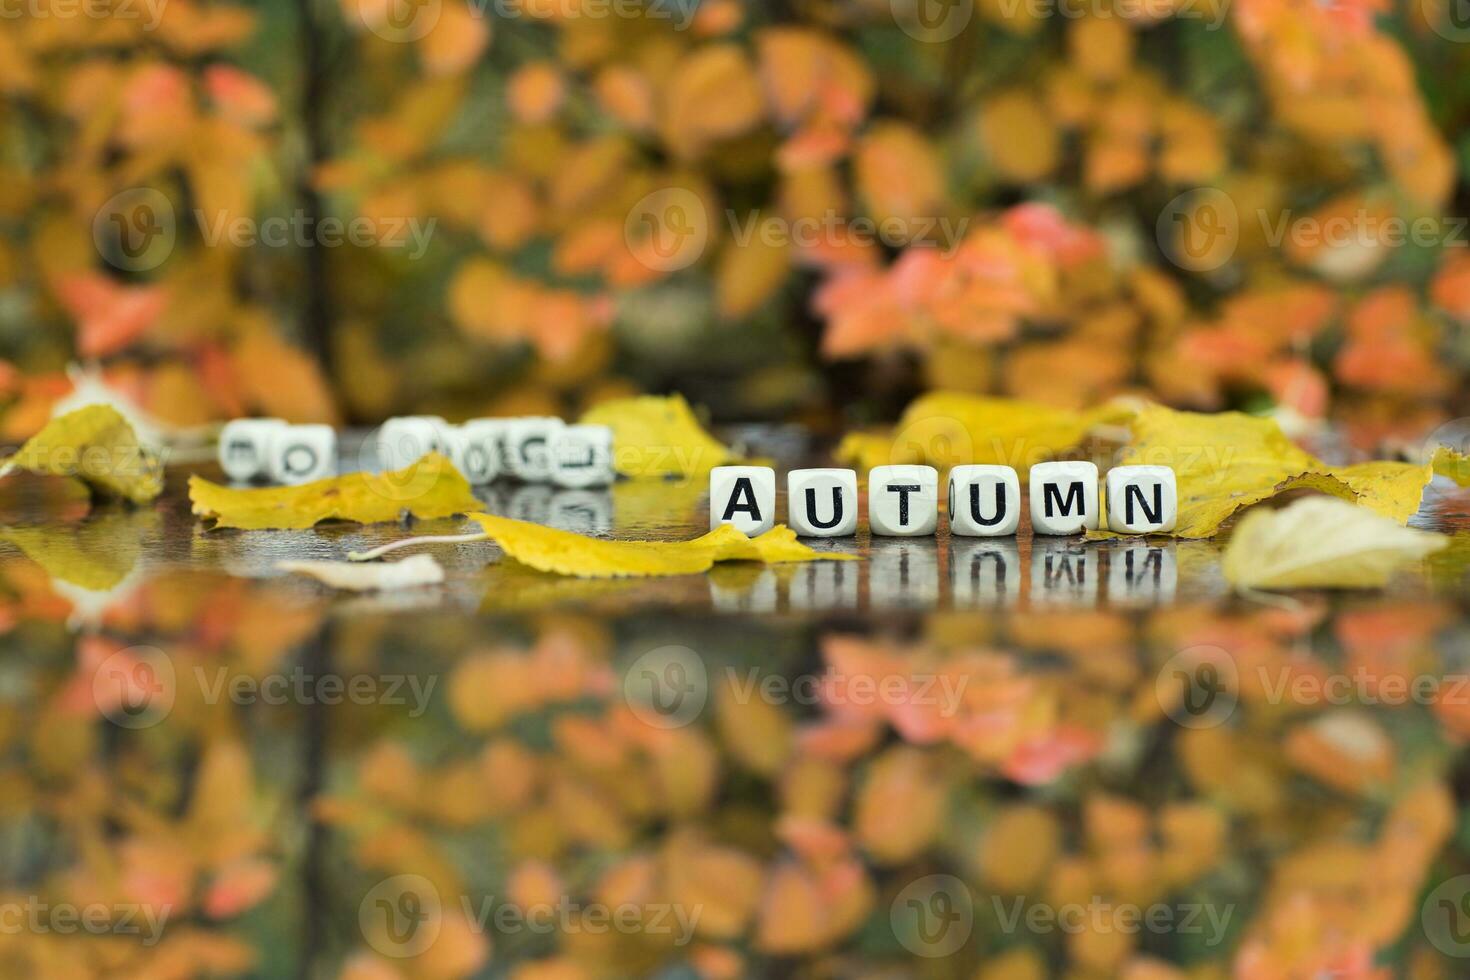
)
(382, 550)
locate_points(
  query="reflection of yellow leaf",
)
(97, 445)
(94, 556)
(565, 553)
(655, 436)
(1322, 542)
(430, 488)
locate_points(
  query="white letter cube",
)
(1142, 499)
(581, 456)
(984, 501)
(303, 453)
(903, 500)
(245, 447)
(743, 496)
(528, 447)
(1064, 498)
(822, 503)
(405, 440)
(475, 450)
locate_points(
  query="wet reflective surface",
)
(956, 758)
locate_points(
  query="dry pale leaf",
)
(371, 577)
(1322, 542)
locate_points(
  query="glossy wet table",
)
(955, 758)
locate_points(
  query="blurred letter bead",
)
(404, 441)
(581, 456)
(245, 447)
(743, 496)
(1064, 497)
(822, 503)
(303, 453)
(528, 447)
(984, 501)
(903, 501)
(1142, 499)
(476, 450)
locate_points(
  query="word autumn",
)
(984, 500)
(532, 449)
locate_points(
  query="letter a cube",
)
(743, 496)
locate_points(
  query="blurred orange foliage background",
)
(809, 211)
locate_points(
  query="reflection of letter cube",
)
(984, 501)
(823, 503)
(743, 496)
(1142, 499)
(582, 511)
(404, 441)
(581, 456)
(303, 453)
(476, 450)
(528, 447)
(903, 500)
(1064, 497)
(245, 447)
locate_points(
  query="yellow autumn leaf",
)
(1224, 462)
(1391, 489)
(655, 436)
(946, 429)
(713, 94)
(566, 553)
(1322, 542)
(898, 173)
(1019, 137)
(430, 488)
(749, 274)
(1227, 461)
(94, 444)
